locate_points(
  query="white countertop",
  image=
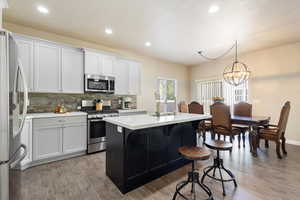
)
(135, 122)
(47, 115)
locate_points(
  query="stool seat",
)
(194, 153)
(219, 145)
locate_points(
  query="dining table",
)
(254, 123)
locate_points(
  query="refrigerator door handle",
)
(25, 93)
(15, 161)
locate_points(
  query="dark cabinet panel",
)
(136, 151)
(188, 135)
(175, 141)
(158, 147)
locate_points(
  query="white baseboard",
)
(294, 142)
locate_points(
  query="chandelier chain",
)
(222, 55)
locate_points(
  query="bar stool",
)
(194, 154)
(219, 145)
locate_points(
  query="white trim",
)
(293, 142)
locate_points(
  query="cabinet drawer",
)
(58, 121)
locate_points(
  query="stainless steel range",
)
(96, 125)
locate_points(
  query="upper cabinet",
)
(72, 70)
(92, 63)
(108, 63)
(57, 68)
(122, 77)
(128, 77)
(99, 64)
(47, 67)
(134, 78)
(26, 56)
(51, 67)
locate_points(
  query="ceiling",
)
(177, 29)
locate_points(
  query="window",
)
(208, 89)
(167, 90)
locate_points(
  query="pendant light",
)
(235, 74)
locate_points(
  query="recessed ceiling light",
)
(213, 9)
(108, 31)
(148, 44)
(43, 9)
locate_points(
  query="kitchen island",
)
(141, 148)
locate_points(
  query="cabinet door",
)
(72, 70)
(25, 49)
(136, 150)
(158, 147)
(47, 67)
(47, 142)
(74, 138)
(122, 77)
(175, 141)
(134, 78)
(26, 139)
(108, 63)
(92, 63)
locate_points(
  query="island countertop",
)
(135, 122)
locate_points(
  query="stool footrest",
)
(193, 178)
(218, 165)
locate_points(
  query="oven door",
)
(96, 131)
(96, 85)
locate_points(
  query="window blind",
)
(208, 89)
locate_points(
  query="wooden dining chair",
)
(183, 107)
(243, 109)
(197, 108)
(221, 121)
(276, 133)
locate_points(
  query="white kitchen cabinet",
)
(25, 51)
(92, 63)
(47, 67)
(99, 63)
(56, 138)
(108, 63)
(47, 142)
(72, 70)
(134, 78)
(26, 139)
(128, 77)
(122, 77)
(74, 138)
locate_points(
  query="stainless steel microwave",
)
(98, 83)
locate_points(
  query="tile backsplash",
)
(46, 102)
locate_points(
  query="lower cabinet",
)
(74, 138)
(47, 142)
(50, 139)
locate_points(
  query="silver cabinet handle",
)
(14, 163)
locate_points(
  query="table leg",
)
(254, 140)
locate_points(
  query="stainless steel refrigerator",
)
(13, 110)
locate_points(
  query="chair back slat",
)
(221, 116)
(196, 108)
(243, 109)
(284, 115)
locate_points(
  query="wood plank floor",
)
(83, 178)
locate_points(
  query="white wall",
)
(275, 79)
